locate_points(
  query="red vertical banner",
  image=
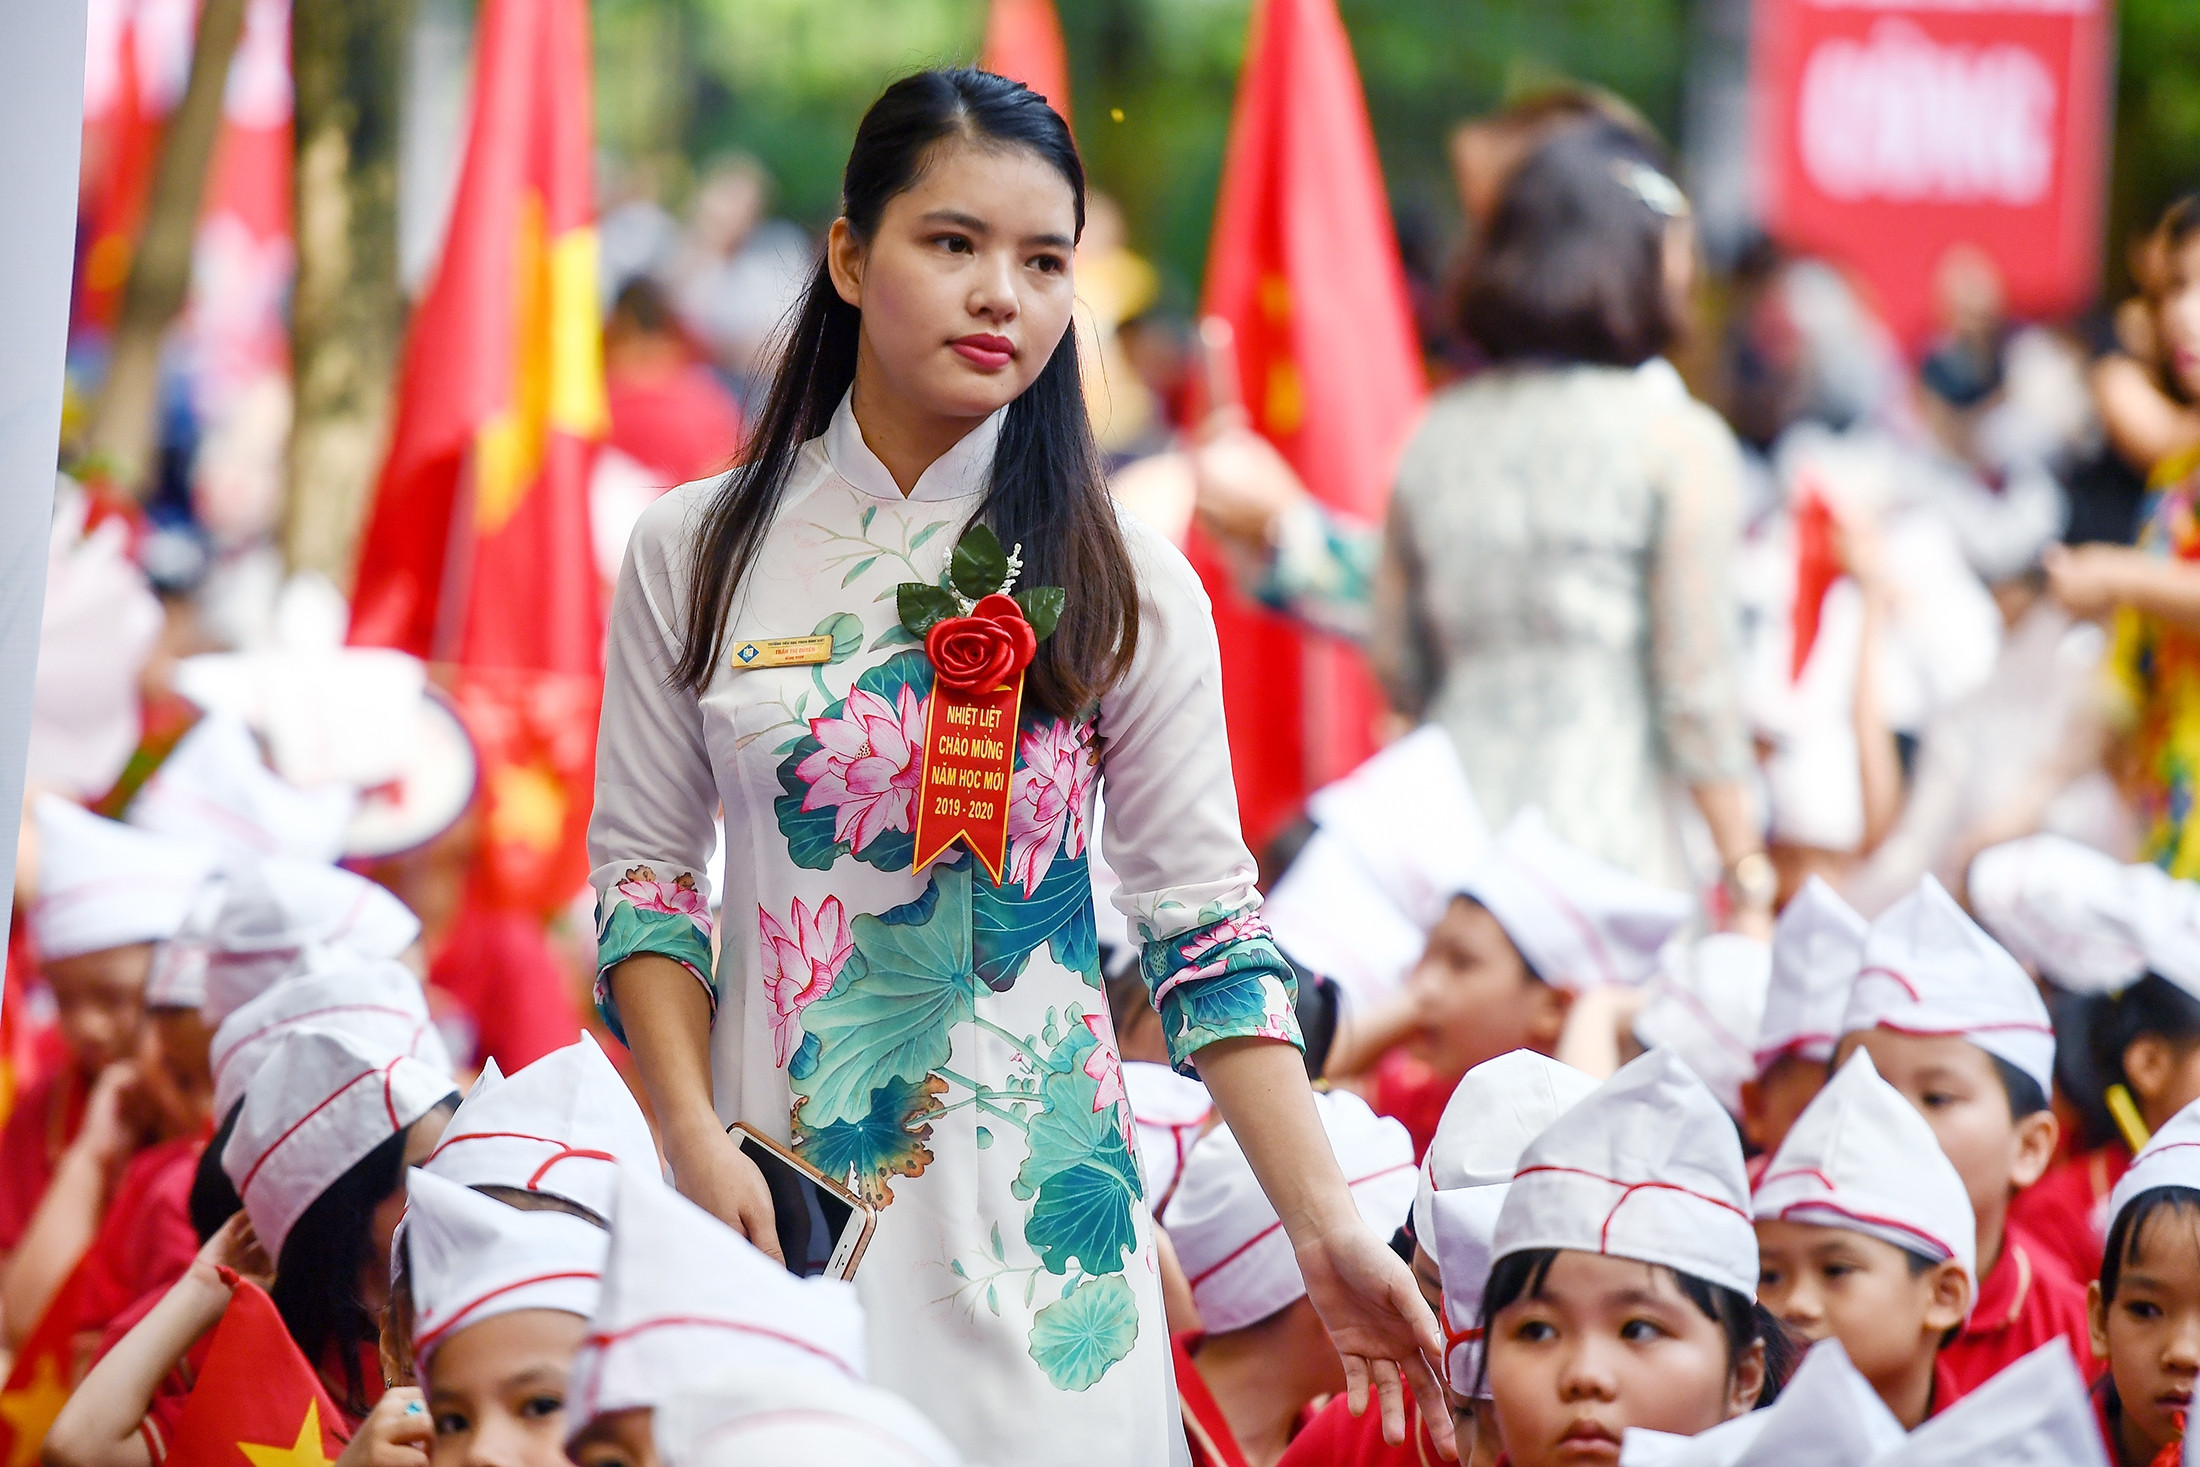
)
(1887, 132)
(1023, 42)
(1304, 266)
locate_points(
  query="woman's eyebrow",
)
(1049, 241)
(959, 219)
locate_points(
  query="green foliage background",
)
(682, 81)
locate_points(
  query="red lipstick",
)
(985, 352)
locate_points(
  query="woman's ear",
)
(844, 260)
(1951, 1298)
(1748, 1381)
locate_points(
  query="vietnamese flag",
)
(1304, 266)
(257, 1397)
(477, 556)
(1023, 42)
(43, 1375)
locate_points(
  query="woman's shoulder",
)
(665, 532)
(1165, 577)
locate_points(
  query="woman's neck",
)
(906, 439)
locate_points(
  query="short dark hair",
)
(1573, 265)
(2152, 1006)
(2125, 1232)
(1741, 1319)
(2025, 1096)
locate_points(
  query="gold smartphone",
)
(823, 1227)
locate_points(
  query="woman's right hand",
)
(710, 1171)
(397, 1432)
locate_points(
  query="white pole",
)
(42, 117)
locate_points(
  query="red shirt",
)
(1414, 1093)
(145, 1241)
(1337, 1438)
(44, 1121)
(2065, 1213)
(2024, 1301)
(680, 425)
(503, 972)
(1213, 1443)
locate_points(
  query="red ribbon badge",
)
(969, 751)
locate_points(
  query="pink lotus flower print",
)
(1104, 1066)
(868, 767)
(801, 960)
(1047, 800)
(677, 896)
(1219, 934)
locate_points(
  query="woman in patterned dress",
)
(935, 1036)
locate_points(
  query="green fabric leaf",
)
(894, 634)
(1042, 608)
(846, 630)
(1086, 1215)
(979, 565)
(1071, 1128)
(857, 570)
(1011, 926)
(916, 541)
(863, 525)
(921, 606)
(1078, 1337)
(906, 986)
(887, 1142)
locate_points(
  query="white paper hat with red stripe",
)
(323, 1100)
(1817, 948)
(1171, 1113)
(1239, 1261)
(2035, 1413)
(2075, 914)
(281, 916)
(470, 1258)
(1501, 1106)
(1646, 1167)
(215, 787)
(102, 884)
(1929, 969)
(1706, 1005)
(2171, 1158)
(778, 1418)
(687, 1299)
(564, 1125)
(377, 1003)
(1861, 1158)
(1578, 921)
(178, 976)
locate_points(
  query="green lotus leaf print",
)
(887, 1143)
(888, 1017)
(1007, 926)
(850, 783)
(1080, 1335)
(1074, 1123)
(1076, 944)
(1086, 1214)
(1079, 1168)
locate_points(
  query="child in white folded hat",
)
(685, 1300)
(1865, 1235)
(281, 917)
(1827, 1416)
(1534, 923)
(1817, 948)
(1705, 1005)
(1623, 1288)
(501, 1300)
(106, 895)
(1266, 1354)
(563, 1127)
(215, 786)
(1953, 1023)
(2145, 1307)
(779, 1418)
(319, 1155)
(1499, 1108)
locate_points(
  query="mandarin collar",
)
(959, 473)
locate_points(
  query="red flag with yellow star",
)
(39, 1382)
(257, 1397)
(477, 555)
(1303, 264)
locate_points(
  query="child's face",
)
(1954, 1085)
(496, 1390)
(100, 1001)
(178, 1077)
(1609, 1343)
(2150, 1332)
(1473, 998)
(1830, 1282)
(2165, 1077)
(1772, 1101)
(618, 1439)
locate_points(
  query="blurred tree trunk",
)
(347, 309)
(125, 432)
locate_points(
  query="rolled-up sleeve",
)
(1172, 834)
(653, 826)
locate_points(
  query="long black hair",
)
(1047, 491)
(316, 1287)
(1741, 1320)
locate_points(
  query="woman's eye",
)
(954, 244)
(535, 1408)
(1049, 264)
(1640, 1332)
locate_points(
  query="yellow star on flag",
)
(30, 1408)
(305, 1452)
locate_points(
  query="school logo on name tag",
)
(784, 652)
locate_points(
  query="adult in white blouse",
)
(935, 1036)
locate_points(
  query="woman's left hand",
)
(1381, 1327)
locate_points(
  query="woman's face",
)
(965, 287)
(496, 1390)
(1606, 1344)
(374, 1272)
(2177, 317)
